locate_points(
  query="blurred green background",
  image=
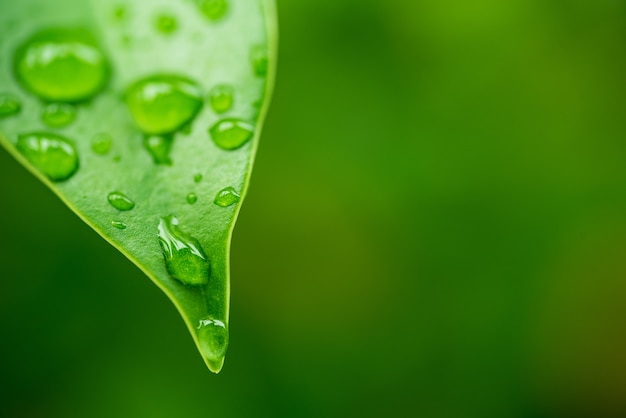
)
(436, 228)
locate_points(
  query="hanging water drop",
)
(227, 197)
(185, 259)
(101, 143)
(163, 104)
(213, 9)
(159, 148)
(9, 105)
(213, 337)
(55, 156)
(120, 201)
(221, 98)
(58, 115)
(62, 65)
(230, 134)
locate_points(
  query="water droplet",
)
(120, 201)
(258, 57)
(166, 24)
(62, 65)
(221, 98)
(214, 9)
(159, 148)
(163, 104)
(213, 337)
(58, 115)
(198, 178)
(227, 197)
(230, 134)
(55, 156)
(9, 105)
(101, 143)
(184, 258)
(118, 224)
(192, 198)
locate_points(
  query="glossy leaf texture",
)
(143, 116)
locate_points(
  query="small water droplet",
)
(101, 143)
(198, 178)
(214, 9)
(118, 224)
(230, 134)
(227, 197)
(213, 337)
(9, 105)
(192, 198)
(62, 65)
(58, 115)
(221, 98)
(185, 259)
(120, 201)
(258, 57)
(163, 104)
(166, 24)
(55, 156)
(159, 147)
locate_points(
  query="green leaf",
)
(144, 118)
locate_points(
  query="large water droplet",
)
(120, 201)
(259, 60)
(227, 197)
(230, 134)
(192, 198)
(62, 65)
(159, 148)
(214, 9)
(163, 104)
(166, 24)
(55, 156)
(184, 258)
(213, 337)
(9, 105)
(101, 143)
(58, 115)
(221, 98)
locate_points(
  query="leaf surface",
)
(144, 118)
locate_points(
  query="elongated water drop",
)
(213, 337)
(185, 259)
(159, 147)
(230, 134)
(221, 98)
(55, 156)
(58, 115)
(101, 143)
(120, 201)
(162, 104)
(62, 65)
(9, 105)
(118, 225)
(227, 197)
(213, 9)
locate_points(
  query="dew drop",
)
(118, 224)
(214, 9)
(213, 337)
(166, 24)
(227, 197)
(163, 104)
(198, 178)
(159, 148)
(221, 98)
(101, 143)
(62, 65)
(192, 198)
(55, 156)
(230, 134)
(58, 115)
(120, 201)
(185, 259)
(9, 105)
(258, 58)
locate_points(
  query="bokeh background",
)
(436, 228)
